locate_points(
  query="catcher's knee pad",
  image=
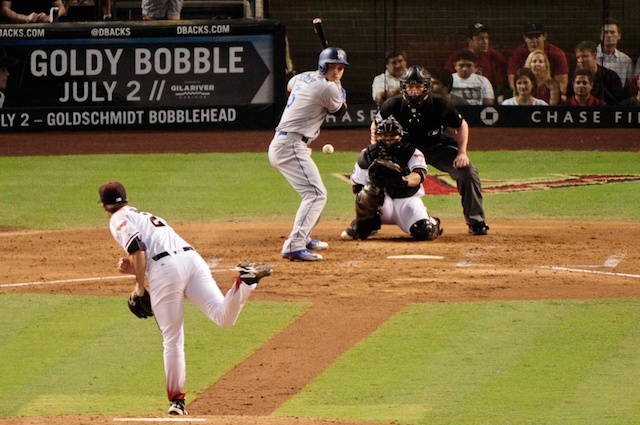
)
(426, 230)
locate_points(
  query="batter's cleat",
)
(251, 273)
(302, 255)
(479, 229)
(177, 408)
(317, 244)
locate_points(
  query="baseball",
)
(328, 148)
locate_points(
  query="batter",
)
(313, 95)
(175, 272)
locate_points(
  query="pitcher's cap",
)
(112, 193)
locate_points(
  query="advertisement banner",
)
(515, 116)
(86, 75)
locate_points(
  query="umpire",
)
(434, 126)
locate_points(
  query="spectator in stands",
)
(609, 56)
(388, 84)
(583, 81)
(5, 63)
(525, 83)
(161, 10)
(490, 63)
(106, 10)
(633, 101)
(606, 83)
(31, 11)
(633, 89)
(442, 83)
(548, 88)
(476, 89)
(535, 38)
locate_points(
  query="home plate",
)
(415, 257)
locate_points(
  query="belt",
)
(284, 133)
(165, 254)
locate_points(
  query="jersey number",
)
(157, 221)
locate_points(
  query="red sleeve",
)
(558, 61)
(449, 65)
(517, 59)
(500, 67)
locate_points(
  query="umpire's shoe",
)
(302, 255)
(479, 229)
(251, 273)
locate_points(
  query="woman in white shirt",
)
(525, 84)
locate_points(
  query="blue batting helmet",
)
(331, 55)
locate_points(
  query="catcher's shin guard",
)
(426, 230)
(368, 202)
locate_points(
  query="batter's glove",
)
(385, 173)
(141, 306)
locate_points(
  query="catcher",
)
(387, 181)
(175, 272)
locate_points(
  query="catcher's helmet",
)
(390, 125)
(389, 132)
(331, 55)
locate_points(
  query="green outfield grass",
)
(72, 354)
(61, 191)
(551, 362)
(499, 363)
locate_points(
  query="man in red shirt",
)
(489, 63)
(582, 86)
(535, 38)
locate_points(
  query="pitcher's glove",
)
(141, 306)
(386, 173)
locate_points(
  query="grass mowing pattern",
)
(73, 354)
(551, 362)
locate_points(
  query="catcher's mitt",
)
(386, 173)
(141, 306)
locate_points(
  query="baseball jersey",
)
(557, 59)
(312, 97)
(131, 227)
(473, 89)
(403, 154)
(424, 124)
(384, 82)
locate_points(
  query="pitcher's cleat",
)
(177, 408)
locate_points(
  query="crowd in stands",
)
(535, 73)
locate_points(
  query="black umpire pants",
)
(441, 156)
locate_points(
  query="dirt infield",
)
(355, 289)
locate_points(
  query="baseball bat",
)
(319, 29)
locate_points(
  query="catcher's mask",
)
(389, 132)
